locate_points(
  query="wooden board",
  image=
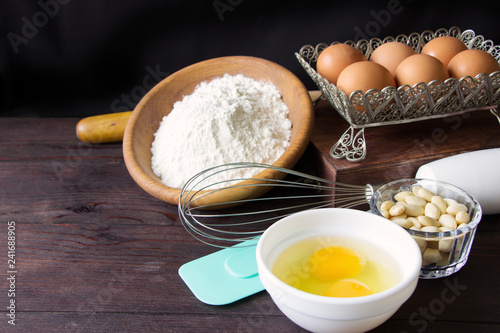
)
(397, 151)
(95, 253)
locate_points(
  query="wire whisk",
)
(231, 219)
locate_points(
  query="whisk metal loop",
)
(231, 221)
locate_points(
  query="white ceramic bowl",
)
(331, 314)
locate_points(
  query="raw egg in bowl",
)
(338, 270)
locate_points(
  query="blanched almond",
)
(455, 208)
(403, 222)
(440, 203)
(414, 200)
(386, 205)
(400, 216)
(445, 245)
(415, 189)
(431, 210)
(445, 260)
(397, 209)
(448, 221)
(426, 194)
(422, 244)
(415, 221)
(414, 210)
(432, 255)
(450, 201)
(462, 217)
(427, 221)
(430, 229)
(400, 196)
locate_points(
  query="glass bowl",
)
(449, 249)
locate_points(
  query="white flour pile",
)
(229, 119)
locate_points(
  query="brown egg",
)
(391, 54)
(333, 60)
(471, 63)
(444, 48)
(420, 68)
(364, 75)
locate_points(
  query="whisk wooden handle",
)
(103, 128)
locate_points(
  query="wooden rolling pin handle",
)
(110, 127)
(103, 128)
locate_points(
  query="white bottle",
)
(476, 172)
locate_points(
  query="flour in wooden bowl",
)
(232, 118)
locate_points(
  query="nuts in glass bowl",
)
(441, 217)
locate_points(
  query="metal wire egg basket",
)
(406, 103)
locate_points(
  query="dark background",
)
(78, 58)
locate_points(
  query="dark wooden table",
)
(95, 253)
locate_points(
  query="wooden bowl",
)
(158, 102)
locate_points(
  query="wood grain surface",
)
(96, 253)
(397, 151)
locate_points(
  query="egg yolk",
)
(348, 288)
(335, 262)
